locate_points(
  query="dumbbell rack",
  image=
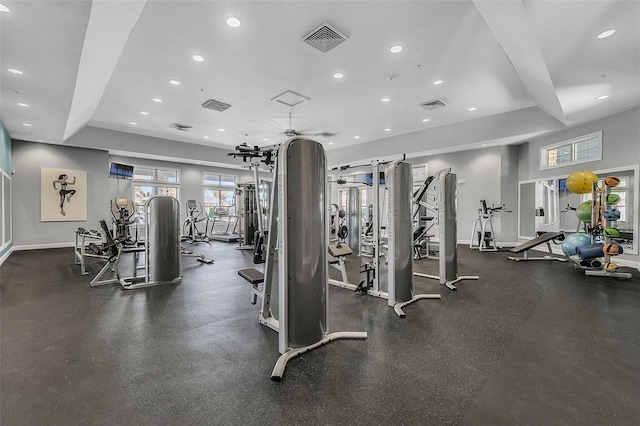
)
(600, 203)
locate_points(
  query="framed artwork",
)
(63, 195)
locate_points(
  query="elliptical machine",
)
(123, 216)
(190, 231)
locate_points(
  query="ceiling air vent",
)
(435, 104)
(324, 38)
(216, 105)
(181, 127)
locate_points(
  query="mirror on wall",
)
(547, 205)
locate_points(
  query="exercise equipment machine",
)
(80, 248)
(483, 225)
(302, 240)
(400, 234)
(124, 216)
(446, 193)
(162, 251)
(195, 215)
(542, 238)
(109, 252)
(221, 215)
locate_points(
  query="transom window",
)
(579, 150)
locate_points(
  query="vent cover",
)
(324, 38)
(216, 105)
(181, 127)
(435, 104)
(290, 98)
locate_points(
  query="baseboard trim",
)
(6, 255)
(43, 246)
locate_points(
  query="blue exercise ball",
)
(573, 241)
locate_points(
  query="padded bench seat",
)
(253, 276)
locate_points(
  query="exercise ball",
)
(584, 211)
(612, 249)
(610, 266)
(581, 182)
(573, 241)
(611, 214)
(610, 232)
(612, 181)
(613, 198)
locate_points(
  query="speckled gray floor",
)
(529, 343)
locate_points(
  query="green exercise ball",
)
(584, 211)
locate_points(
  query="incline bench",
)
(544, 237)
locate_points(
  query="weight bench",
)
(545, 237)
(335, 257)
(254, 277)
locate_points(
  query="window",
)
(575, 151)
(219, 191)
(148, 182)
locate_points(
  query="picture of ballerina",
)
(64, 192)
(68, 200)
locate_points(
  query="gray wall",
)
(28, 158)
(621, 147)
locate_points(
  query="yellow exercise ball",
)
(581, 182)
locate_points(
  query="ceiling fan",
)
(290, 132)
(278, 126)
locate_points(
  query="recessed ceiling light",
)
(205, 137)
(158, 100)
(484, 144)
(221, 130)
(599, 98)
(15, 71)
(3, 8)
(144, 113)
(473, 109)
(198, 58)
(26, 124)
(387, 130)
(40, 140)
(356, 137)
(330, 143)
(438, 82)
(605, 34)
(174, 82)
(396, 49)
(338, 75)
(426, 119)
(265, 139)
(22, 104)
(133, 123)
(385, 99)
(233, 22)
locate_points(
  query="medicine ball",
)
(613, 198)
(610, 232)
(612, 249)
(611, 214)
(581, 182)
(612, 181)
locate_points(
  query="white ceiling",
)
(101, 63)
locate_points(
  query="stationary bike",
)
(190, 230)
